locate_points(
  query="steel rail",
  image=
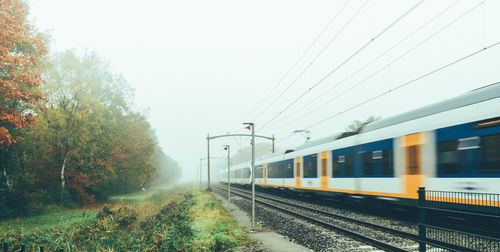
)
(351, 234)
(407, 235)
(399, 233)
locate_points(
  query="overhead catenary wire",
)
(344, 62)
(300, 58)
(284, 139)
(384, 67)
(314, 59)
(370, 63)
(406, 83)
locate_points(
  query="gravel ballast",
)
(299, 231)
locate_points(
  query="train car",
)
(453, 145)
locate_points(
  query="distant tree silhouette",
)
(356, 125)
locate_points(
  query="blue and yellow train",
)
(453, 145)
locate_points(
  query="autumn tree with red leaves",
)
(88, 142)
(21, 46)
(96, 143)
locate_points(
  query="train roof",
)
(317, 142)
(475, 96)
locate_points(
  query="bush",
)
(190, 221)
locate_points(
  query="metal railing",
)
(458, 221)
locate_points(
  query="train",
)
(452, 145)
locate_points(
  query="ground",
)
(186, 218)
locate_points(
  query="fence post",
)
(23, 247)
(421, 220)
(5, 246)
(41, 249)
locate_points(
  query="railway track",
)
(352, 228)
(394, 235)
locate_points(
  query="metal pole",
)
(253, 175)
(273, 143)
(208, 161)
(252, 127)
(228, 173)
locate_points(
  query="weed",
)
(183, 220)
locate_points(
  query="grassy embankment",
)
(182, 219)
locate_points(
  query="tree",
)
(131, 153)
(356, 125)
(21, 47)
(96, 144)
(168, 171)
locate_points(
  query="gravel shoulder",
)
(309, 236)
(266, 240)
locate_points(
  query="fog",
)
(203, 67)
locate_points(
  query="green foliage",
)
(215, 228)
(54, 219)
(187, 220)
(171, 228)
(88, 142)
(87, 132)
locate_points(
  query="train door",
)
(324, 170)
(413, 175)
(297, 171)
(265, 174)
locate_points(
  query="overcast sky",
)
(203, 67)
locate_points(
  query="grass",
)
(134, 197)
(184, 219)
(215, 228)
(64, 217)
(53, 219)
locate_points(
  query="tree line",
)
(69, 132)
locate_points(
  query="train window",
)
(246, 173)
(368, 164)
(288, 165)
(490, 158)
(275, 170)
(342, 166)
(337, 166)
(336, 163)
(378, 163)
(468, 143)
(259, 171)
(236, 173)
(348, 168)
(448, 157)
(387, 163)
(310, 166)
